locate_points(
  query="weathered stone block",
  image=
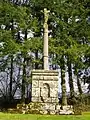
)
(52, 107)
(35, 99)
(48, 78)
(58, 107)
(35, 84)
(55, 100)
(54, 92)
(52, 112)
(67, 107)
(35, 77)
(53, 84)
(47, 100)
(45, 112)
(41, 77)
(36, 92)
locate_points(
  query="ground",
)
(7, 116)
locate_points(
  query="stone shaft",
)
(45, 45)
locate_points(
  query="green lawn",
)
(5, 116)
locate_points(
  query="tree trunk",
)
(23, 81)
(25, 34)
(79, 86)
(11, 77)
(64, 97)
(24, 72)
(70, 78)
(36, 58)
(11, 72)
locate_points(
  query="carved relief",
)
(45, 92)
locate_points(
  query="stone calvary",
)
(45, 82)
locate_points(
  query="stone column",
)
(45, 45)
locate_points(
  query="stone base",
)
(55, 109)
(45, 92)
(49, 108)
(45, 86)
(66, 110)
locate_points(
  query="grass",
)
(8, 116)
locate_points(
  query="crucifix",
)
(43, 80)
(45, 45)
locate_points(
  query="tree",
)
(10, 18)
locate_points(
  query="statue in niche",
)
(45, 92)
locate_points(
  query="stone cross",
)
(45, 46)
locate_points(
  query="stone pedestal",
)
(45, 92)
(45, 88)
